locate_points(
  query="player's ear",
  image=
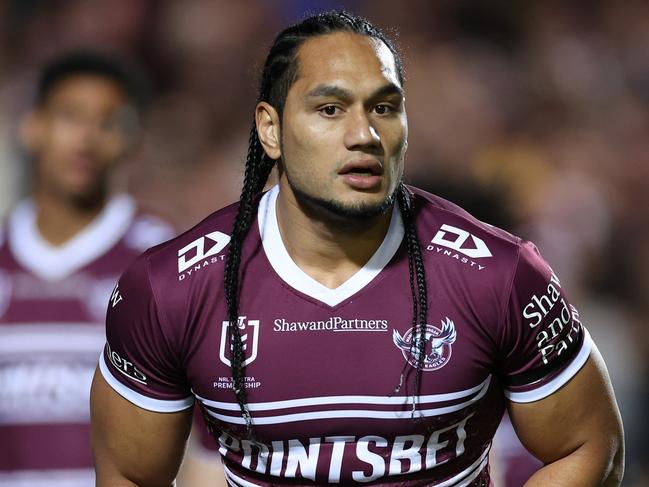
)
(30, 131)
(268, 129)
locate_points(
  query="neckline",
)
(50, 262)
(286, 268)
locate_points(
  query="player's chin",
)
(83, 192)
(364, 206)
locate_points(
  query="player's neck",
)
(59, 219)
(328, 250)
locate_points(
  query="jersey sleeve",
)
(544, 343)
(139, 360)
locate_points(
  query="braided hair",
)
(279, 73)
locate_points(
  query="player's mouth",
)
(362, 174)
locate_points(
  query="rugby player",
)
(62, 250)
(342, 327)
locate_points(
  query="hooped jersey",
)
(323, 365)
(52, 311)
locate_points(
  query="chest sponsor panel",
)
(321, 392)
(339, 353)
(358, 439)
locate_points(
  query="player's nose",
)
(359, 131)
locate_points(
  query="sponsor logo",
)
(380, 455)
(249, 331)
(115, 297)
(125, 367)
(249, 382)
(477, 251)
(201, 253)
(335, 323)
(437, 345)
(458, 248)
(555, 336)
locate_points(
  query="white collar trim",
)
(48, 262)
(295, 277)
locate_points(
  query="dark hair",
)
(94, 63)
(280, 71)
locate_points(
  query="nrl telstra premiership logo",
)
(437, 345)
(249, 331)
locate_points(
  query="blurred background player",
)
(61, 251)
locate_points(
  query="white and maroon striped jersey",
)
(322, 365)
(52, 309)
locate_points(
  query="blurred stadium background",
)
(532, 115)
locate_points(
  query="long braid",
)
(257, 170)
(280, 71)
(417, 275)
(404, 204)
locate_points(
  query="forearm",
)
(122, 482)
(106, 481)
(585, 467)
(111, 477)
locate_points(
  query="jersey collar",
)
(295, 277)
(50, 263)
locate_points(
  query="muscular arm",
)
(201, 467)
(576, 432)
(132, 446)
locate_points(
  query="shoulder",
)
(168, 277)
(186, 255)
(140, 229)
(448, 231)
(15, 224)
(146, 231)
(16, 218)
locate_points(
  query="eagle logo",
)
(436, 347)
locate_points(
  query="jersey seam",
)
(505, 309)
(163, 315)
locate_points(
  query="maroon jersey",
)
(322, 364)
(52, 308)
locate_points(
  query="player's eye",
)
(382, 109)
(329, 110)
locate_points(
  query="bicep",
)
(201, 467)
(133, 446)
(582, 415)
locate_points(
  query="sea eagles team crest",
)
(437, 347)
(249, 331)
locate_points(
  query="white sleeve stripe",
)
(236, 480)
(560, 380)
(145, 402)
